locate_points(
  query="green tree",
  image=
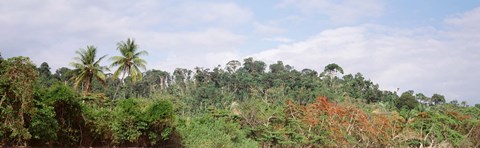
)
(464, 104)
(455, 102)
(278, 67)
(45, 76)
(129, 63)
(64, 74)
(407, 101)
(309, 72)
(44, 70)
(180, 78)
(331, 72)
(233, 65)
(332, 69)
(438, 99)
(422, 98)
(156, 80)
(87, 68)
(253, 67)
(17, 79)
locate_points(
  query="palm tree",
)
(129, 62)
(86, 68)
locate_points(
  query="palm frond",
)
(129, 62)
(86, 67)
(143, 52)
(118, 71)
(101, 77)
(139, 73)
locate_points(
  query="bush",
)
(44, 126)
(208, 131)
(98, 120)
(68, 113)
(159, 116)
(136, 120)
(127, 125)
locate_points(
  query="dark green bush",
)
(43, 125)
(140, 120)
(68, 113)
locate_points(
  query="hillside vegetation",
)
(240, 104)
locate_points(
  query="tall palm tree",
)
(86, 68)
(129, 63)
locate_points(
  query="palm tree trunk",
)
(118, 86)
(88, 86)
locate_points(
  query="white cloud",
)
(267, 29)
(224, 13)
(468, 20)
(206, 40)
(394, 58)
(464, 28)
(279, 39)
(190, 61)
(339, 11)
(44, 30)
(189, 49)
(192, 33)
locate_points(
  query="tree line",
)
(240, 104)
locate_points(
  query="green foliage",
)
(99, 121)
(64, 75)
(407, 101)
(438, 127)
(159, 110)
(17, 80)
(88, 68)
(333, 68)
(438, 99)
(43, 125)
(127, 125)
(60, 92)
(209, 131)
(129, 62)
(45, 77)
(68, 113)
(241, 105)
(159, 115)
(134, 119)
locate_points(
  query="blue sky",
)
(429, 46)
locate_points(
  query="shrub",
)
(142, 122)
(43, 125)
(68, 113)
(209, 131)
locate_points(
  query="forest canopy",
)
(240, 104)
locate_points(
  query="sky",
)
(430, 46)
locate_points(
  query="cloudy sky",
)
(429, 46)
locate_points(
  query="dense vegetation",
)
(241, 104)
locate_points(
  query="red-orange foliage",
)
(344, 122)
(458, 115)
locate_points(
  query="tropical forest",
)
(241, 103)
